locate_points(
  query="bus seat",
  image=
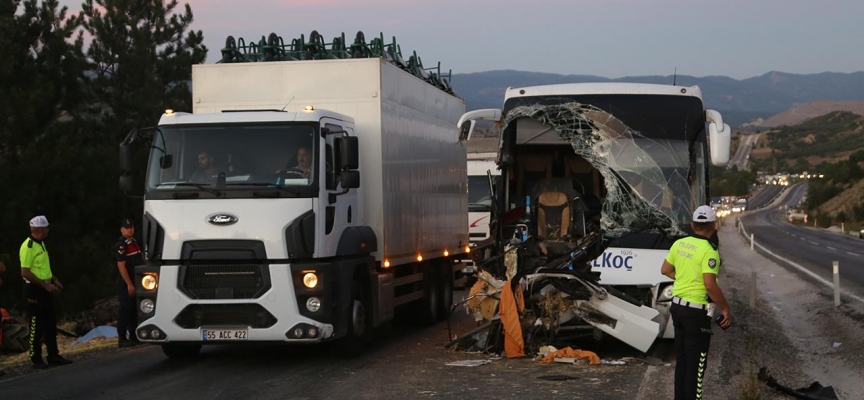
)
(535, 167)
(584, 173)
(553, 216)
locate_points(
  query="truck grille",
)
(251, 315)
(225, 281)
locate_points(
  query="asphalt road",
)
(741, 158)
(764, 196)
(812, 248)
(403, 363)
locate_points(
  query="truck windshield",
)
(232, 157)
(478, 193)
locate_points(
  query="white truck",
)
(480, 166)
(628, 159)
(329, 194)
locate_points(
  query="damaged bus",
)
(597, 181)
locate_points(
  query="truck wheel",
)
(358, 325)
(427, 309)
(446, 289)
(174, 350)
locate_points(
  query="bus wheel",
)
(176, 350)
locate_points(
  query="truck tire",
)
(177, 350)
(427, 309)
(445, 285)
(16, 337)
(359, 329)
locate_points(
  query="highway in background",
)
(812, 248)
(741, 159)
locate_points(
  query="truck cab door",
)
(339, 210)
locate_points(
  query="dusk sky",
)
(610, 38)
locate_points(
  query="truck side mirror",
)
(166, 161)
(350, 179)
(347, 151)
(126, 182)
(126, 164)
(466, 130)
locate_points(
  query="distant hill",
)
(802, 112)
(740, 101)
(826, 138)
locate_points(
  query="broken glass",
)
(646, 179)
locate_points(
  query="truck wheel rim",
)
(358, 318)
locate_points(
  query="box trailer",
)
(301, 202)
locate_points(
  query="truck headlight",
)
(313, 304)
(149, 282)
(310, 280)
(147, 306)
(665, 294)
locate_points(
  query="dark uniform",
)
(127, 250)
(692, 257)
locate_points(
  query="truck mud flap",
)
(632, 324)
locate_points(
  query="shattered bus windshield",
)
(642, 150)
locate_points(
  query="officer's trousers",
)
(42, 320)
(692, 338)
(127, 316)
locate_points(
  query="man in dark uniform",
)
(128, 255)
(693, 263)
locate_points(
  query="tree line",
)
(72, 85)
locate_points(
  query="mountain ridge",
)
(740, 100)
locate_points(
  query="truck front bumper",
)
(273, 316)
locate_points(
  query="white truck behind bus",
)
(264, 252)
(480, 166)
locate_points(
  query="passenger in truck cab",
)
(206, 172)
(303, 165)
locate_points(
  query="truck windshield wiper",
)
(292, 191)
(201, 186)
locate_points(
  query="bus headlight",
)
(310, 280)
(666, 294)
(147, 306)
(149, 282)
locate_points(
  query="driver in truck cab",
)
(304, 163)
(206, 168)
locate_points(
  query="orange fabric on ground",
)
(570, 352)
(514, 345)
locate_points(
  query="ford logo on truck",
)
(222, 219)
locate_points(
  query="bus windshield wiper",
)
(200, 186)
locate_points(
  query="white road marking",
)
(831, 248)
(814, 242)
(852, 254)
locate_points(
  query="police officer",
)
(128, 255)
(39, 289)
(693, 262)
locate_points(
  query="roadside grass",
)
(751, 388)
